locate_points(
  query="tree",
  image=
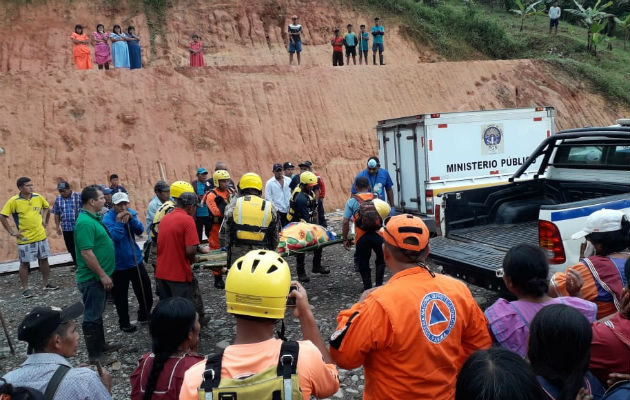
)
(589, 16)
(624, 24)
(525, 10)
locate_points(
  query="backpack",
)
(10, 392)
(367, 218)
(278, 382)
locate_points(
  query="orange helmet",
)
(406, 231)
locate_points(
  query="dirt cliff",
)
(248, 109)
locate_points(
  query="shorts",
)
(33, 251)
(295, 47)
(351, 51)
(378, 46)
(553, 22)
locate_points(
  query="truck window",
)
(574, 155)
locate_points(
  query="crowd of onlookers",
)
(419, 335)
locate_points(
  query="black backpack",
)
(367, 218)
(25, 393)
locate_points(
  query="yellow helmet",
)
(308, 178)
(219, 175)
(179, 187)
(258, 284)
(382, 208)
(250, 181)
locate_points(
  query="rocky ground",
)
(328, 295)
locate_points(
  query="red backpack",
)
(367, 218)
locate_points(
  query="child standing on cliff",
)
(196, 52)
(337, 44)
(364, 38)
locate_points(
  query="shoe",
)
(27, 293)
(128, 328)
(111, 347)
(218, 282)
(50, 286)
(143, 319)
(303, 277)
(321, 270)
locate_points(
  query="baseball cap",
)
(405, 231)
(161, 186)
(372, 163)
(288, 165)
(305, 164)
(277, 167)
(201, 170)
(41, 322)
(63, 185)
(107, 190)
(188, 199)
(603, 220)
(120, 197)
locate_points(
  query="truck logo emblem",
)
(492, 139)
(437, 316)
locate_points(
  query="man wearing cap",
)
(178, 244)
(278, 192)
(66, 210)
(295, 41)
(288, 169)
(95, 265)
(380, 181)
(52, 338)
(26, 210)
(413, 334)
(123, 226)
(162, 194)
(107, 194)
(598, 277)
(203, 220)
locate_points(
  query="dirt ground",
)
(328, 294)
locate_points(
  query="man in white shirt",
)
(554, 17)
(277, 191)
(295, 40)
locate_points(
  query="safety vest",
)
(312, 205)
(251, 219)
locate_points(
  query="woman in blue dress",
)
(135, 53)
(120, 50)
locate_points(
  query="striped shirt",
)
(68, 210)
(78, 384)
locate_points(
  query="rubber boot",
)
(218, 282)
(366, 277)
(108, 347)
(317, 264)
(380, 57)
(374, 58)
(94, 341)
(301, 272)
(380, 271)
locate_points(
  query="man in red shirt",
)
(177, 246)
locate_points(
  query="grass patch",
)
(459, 31)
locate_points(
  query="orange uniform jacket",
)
(216, 200)
(411, 336)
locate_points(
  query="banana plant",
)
(524, 10)
(589, 16)
(624, 24)
(599, 35)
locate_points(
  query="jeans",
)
(141, 285)
(68, 239)
(317, 260)
(93, 296)
(369, 242)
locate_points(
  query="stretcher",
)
(215, 260)
(311, 248)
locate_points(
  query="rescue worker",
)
(253, 367)
(216, 200)
(303, 207)
(177, 189)
(413, 334)
(250, 221)
(366, 237)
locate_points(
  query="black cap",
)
(41, 322)
(63, 185)
(288, 165)
(277, 167)
(161, 186)
(188, 199)
(307, 164)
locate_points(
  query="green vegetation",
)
(461, 30)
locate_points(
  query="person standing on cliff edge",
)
(295, 41)
(378, 31)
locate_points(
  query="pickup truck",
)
(579, 171)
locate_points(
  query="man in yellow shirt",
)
(26, 208)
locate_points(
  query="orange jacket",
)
(217, 200)
(411, 336)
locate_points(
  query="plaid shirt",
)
(68, 210)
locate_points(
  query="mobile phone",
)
(291, 300)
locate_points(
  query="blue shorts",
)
(295, 46)
(378, 46)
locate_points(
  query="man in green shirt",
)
(95, 264)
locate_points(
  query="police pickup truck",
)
(578, 172)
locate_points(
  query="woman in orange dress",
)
(81, 51)
(196, 52)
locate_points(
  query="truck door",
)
(410, 166)
(388, 154)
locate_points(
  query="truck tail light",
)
(429, 201)
(435, 115)
(550, 241)
(438, 227)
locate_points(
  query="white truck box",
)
(428, 154)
